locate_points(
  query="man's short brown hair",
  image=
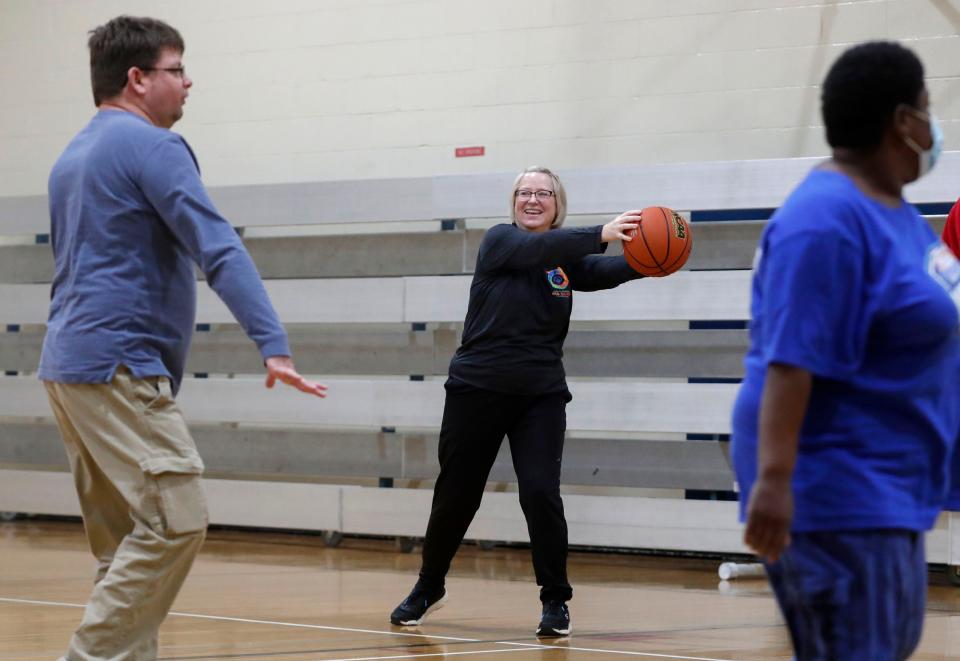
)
(124, 42)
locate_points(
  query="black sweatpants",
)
(474, 424)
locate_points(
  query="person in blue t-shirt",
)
(130, 219)
(953, 499)
(844, 424)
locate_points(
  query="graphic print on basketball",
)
(662, 244)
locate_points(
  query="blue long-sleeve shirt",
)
(129, 218)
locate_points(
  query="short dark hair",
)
(864, 87)
(124, 42)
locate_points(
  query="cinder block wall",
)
(306, 90)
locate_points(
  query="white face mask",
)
(928, 157)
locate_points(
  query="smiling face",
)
(532, 213)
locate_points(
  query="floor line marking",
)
(41, 603)
(515, 646)
(321, 627)
(242, 620)
(417, 656)
(590, 649)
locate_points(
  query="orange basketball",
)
(661, 245)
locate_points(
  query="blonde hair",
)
(559, 194)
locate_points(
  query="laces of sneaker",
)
(557, 608)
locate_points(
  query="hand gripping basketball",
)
(622, 228)
(662, 243)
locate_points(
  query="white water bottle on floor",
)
(729, 570)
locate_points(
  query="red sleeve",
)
(951, 231)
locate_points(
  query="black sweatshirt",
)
(520, 303)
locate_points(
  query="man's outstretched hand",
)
(281, 368)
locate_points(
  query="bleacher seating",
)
(652, 365)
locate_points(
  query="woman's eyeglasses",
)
(525, 194)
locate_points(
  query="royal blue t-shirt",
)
(953, 499)
(864, 297)
(129, 219)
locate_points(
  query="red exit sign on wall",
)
(460, 152)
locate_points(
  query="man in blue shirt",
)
(844, 425)
(130, 219)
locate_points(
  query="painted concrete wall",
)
(298, 90)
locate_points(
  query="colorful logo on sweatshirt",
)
(559, 282)
(558, 279)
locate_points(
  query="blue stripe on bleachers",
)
(714, 379)
(699, 494)
(935, 208)
(720, 324)
(707, 216)
(719, 215)
(725, 438)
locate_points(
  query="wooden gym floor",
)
(255, 596)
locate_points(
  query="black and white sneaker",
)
(415, 608)
(555, 621)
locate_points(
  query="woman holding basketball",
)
(843, 427)
(507, 379)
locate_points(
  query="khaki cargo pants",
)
(137, 473)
